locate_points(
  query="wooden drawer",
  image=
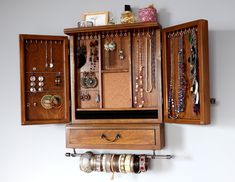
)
(149, 137)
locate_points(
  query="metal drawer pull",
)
(103, 136)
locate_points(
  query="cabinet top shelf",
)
(127, 26)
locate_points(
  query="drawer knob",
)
(103, 136)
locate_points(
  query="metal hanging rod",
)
(153, 156)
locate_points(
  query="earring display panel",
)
(87, 71)
(186, 72)
(116, 51)
(44, 79)
(116, 69)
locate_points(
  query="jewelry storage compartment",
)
(115, 67)
(186, 73)
(44, 79)
(115, 136)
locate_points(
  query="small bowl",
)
(85, 24)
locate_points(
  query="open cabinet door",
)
(186, 73)
(44, 74)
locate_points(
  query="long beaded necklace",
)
(153, 56)
(139, 90)
(193, 60)
(148, 65)
(181, 76)
(174, 110)
(171, 101)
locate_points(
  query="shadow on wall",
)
(222, 74)
(174, 139)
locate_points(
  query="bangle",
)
(101, 166)
(92, 162)
(143, 163)
(103, 162)
(128, 163)
(98, 163)
(132, 163)
(116, 164)
(121, 163)
(85, 162)
(112, 163)
(136, 167)
(108, 163)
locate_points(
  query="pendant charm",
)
(89, 80)
(110, 46)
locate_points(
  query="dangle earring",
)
(121, 51)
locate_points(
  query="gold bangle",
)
(127, 163)
(121, 163)
(132, 163)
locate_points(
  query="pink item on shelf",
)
(148, 14)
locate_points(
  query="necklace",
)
(148, 65)
(139, 90)
(171, 101)
(174, 109)
(193, 60)
(181, 76)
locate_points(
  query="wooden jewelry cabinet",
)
(116, 85)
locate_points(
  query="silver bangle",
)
(103, 162)
(85, 160)
(98, 162)
(108, 163)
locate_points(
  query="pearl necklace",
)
(139, 90)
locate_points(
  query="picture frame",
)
(98, 18)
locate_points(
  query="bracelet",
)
(127, 163)
(85, 162)
(132, 163)
(98, 163)
(136, 167)
(121, 163)
(116, 163)
(112, 163)
(103, 162)
(143, 163)
(108, 163)
(101, 166)
(92, 162)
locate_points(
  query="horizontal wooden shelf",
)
(118, 109)
(127, 26)
(112, 126)
(45, 72)
(114, 71)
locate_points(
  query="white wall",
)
(36, 153)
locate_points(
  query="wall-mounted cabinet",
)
(125, 81)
